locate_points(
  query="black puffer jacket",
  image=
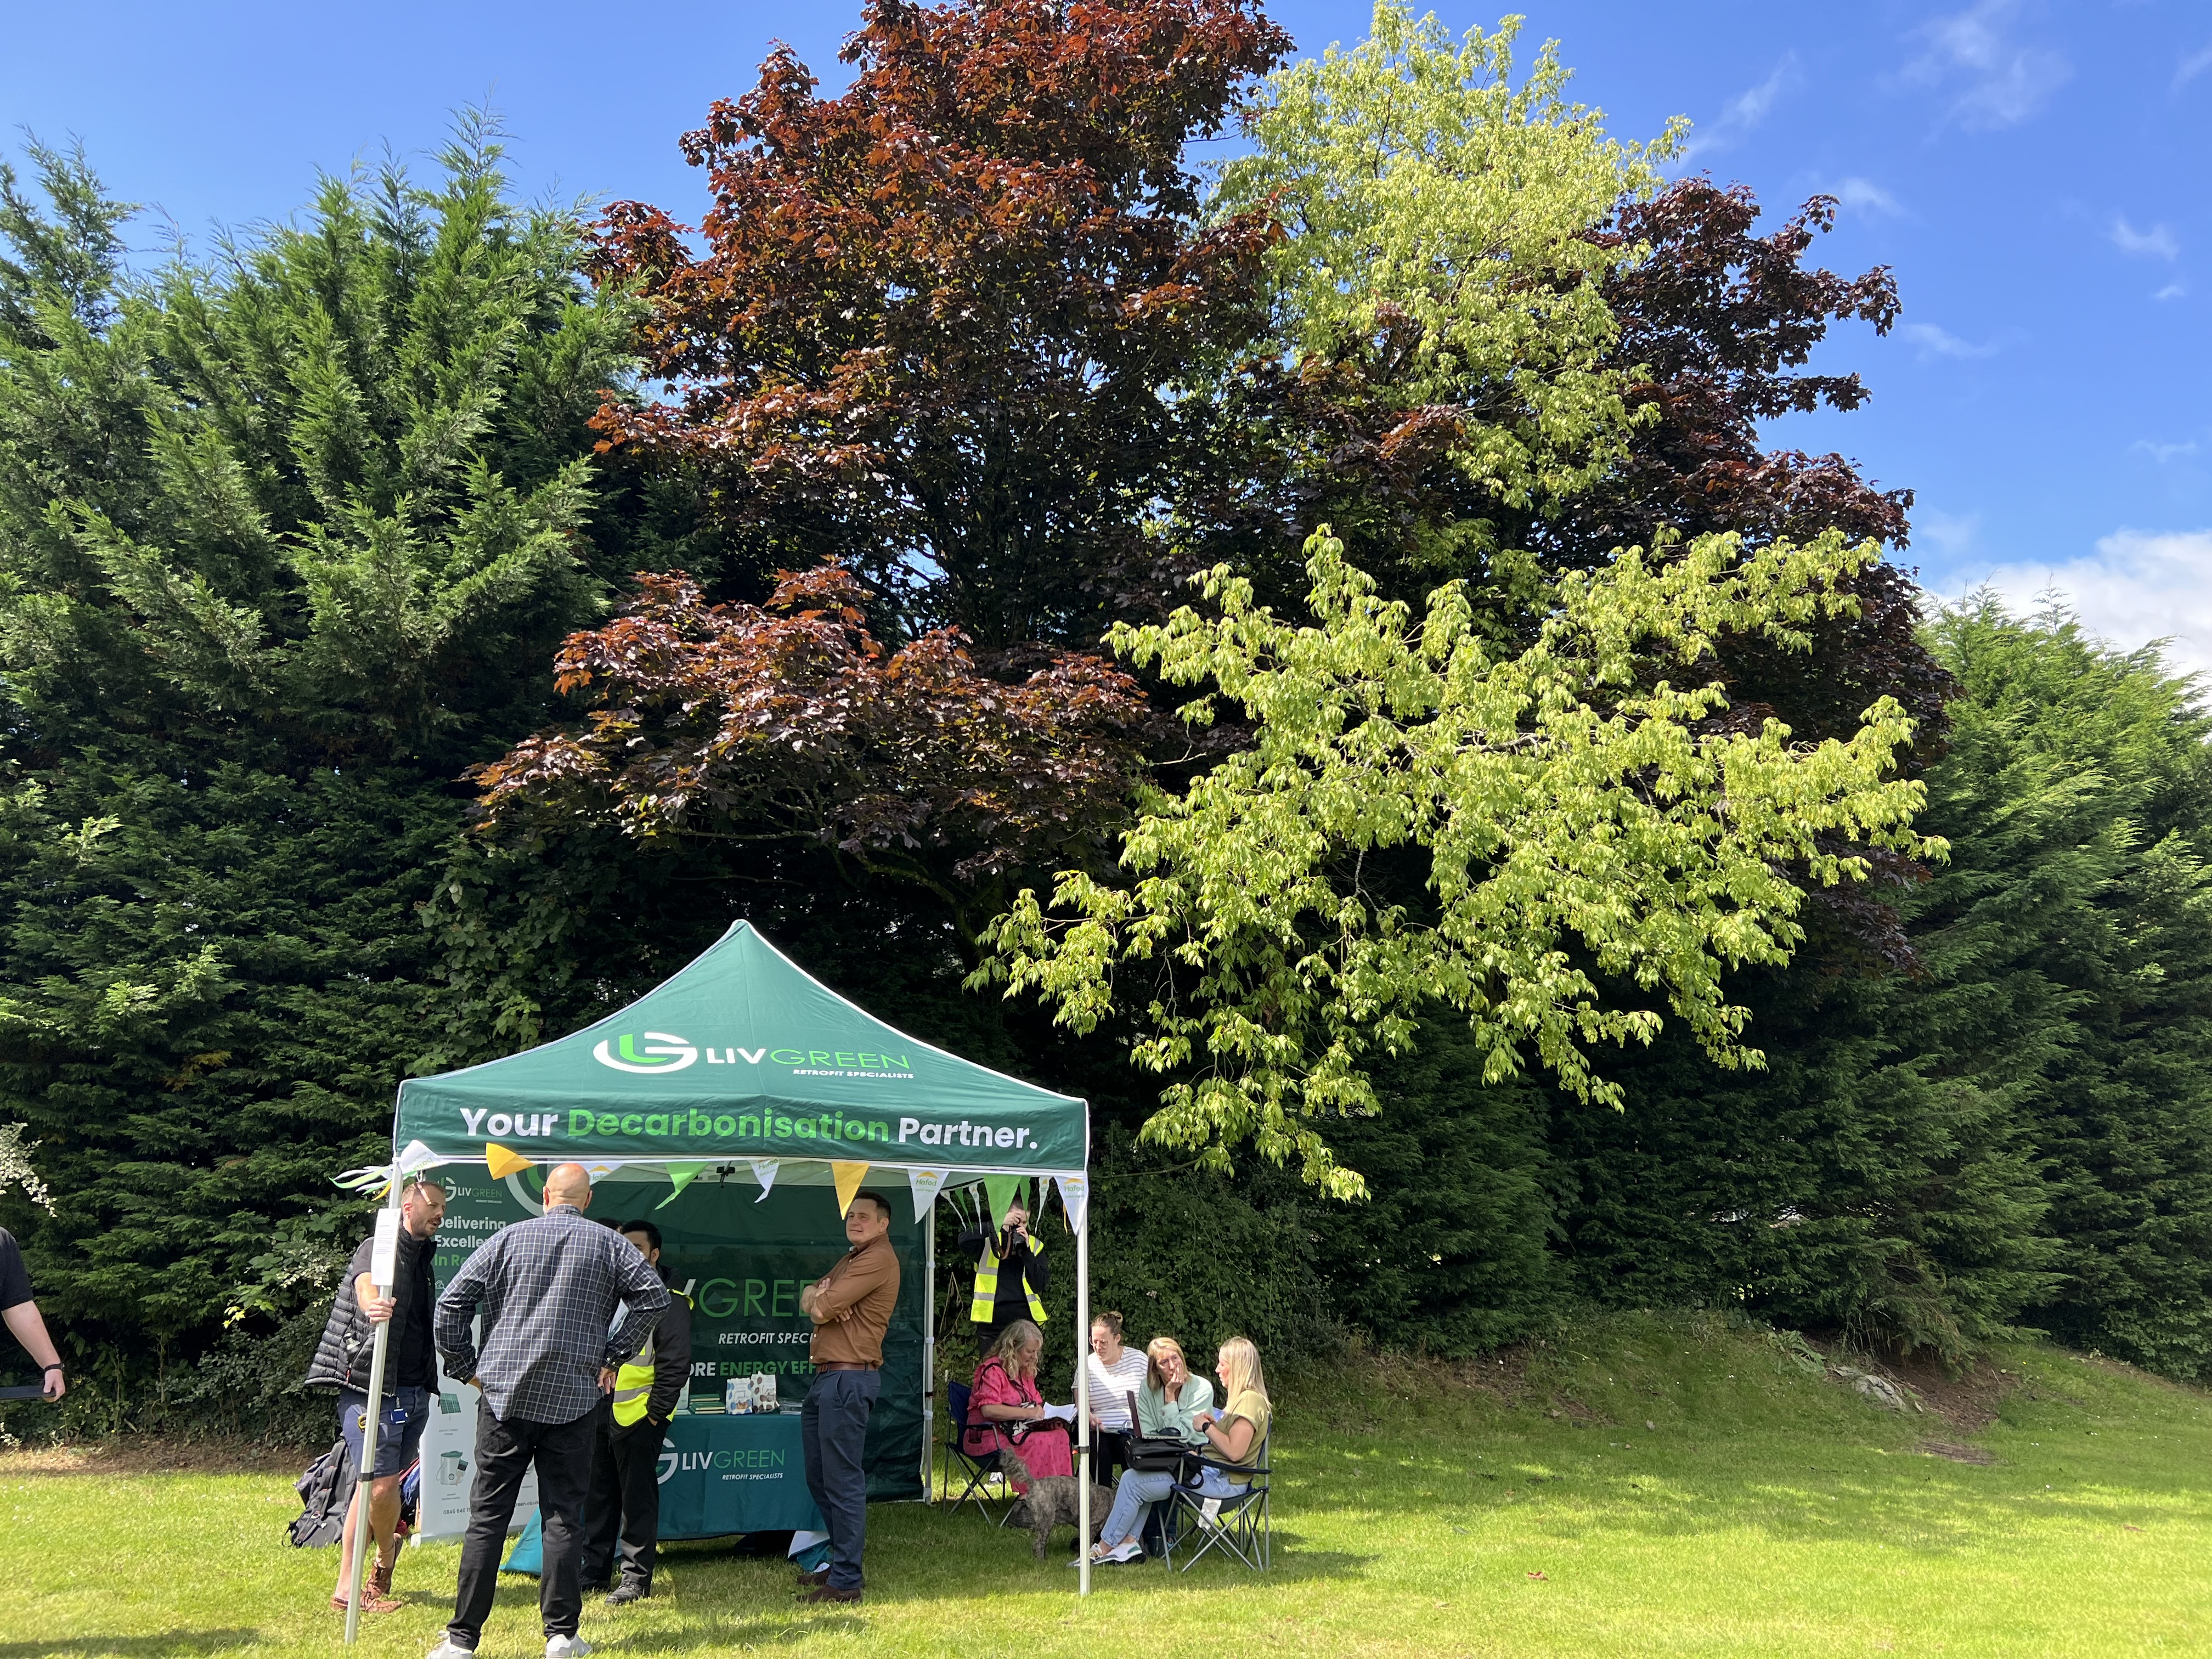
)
(342, 1357)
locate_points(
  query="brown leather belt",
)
(845, 1365)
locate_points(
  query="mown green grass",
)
(1764, 1512)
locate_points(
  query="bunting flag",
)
(502, 1161)
(416, 1157)
(926, 1183)
(1000, 1191)
(681, 1175)
(848, 1178)
(1075, 1196)
(764, 1172)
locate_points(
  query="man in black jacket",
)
(410, 1376)
(624, 1497)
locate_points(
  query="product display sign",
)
(743, 1055)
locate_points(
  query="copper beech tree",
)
(939, 324)
(794, 723)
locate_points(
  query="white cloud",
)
(2164, 453)
(2172, 291)
(2157, 242)
(1743, 112)
(1933, 342)
(1990, 80)
(1953, 534)
(2193, 66)
(2140, 586)
(1866, 195)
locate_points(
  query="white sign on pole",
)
(383, 1256)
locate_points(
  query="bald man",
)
(549, 1290)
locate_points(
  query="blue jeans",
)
(833, 1426)
(1139, 1489)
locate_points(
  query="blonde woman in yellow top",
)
(1234, 1435)
(1237, 1432)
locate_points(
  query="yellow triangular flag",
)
(848, 1178)
(502, 1161)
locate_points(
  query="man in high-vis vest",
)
(622, 1509)
(1010, 1276)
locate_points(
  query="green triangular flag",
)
(999, 1191)
(681, 1175)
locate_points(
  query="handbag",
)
(1155, 1454)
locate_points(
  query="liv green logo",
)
(661, 1053)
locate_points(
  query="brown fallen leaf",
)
(1536, 1575)
(2129, 1526)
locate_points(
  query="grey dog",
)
(1051, 1502)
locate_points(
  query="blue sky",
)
(2031, 170)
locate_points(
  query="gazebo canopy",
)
(741, 1055)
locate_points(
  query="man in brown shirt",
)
(851, 1308)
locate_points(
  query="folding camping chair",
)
(978, 1471)
(1240, 1523)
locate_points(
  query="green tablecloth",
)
(718, 1475)
(724, 1474)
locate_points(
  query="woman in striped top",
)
(1116, 1373)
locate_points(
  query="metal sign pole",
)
(383, 1257)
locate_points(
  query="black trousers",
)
(622, 1511)
(506, 1450)
(1109, 1454)
(1002, 1315)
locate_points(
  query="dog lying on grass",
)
(1052, 1501)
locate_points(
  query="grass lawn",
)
(1645, 1486)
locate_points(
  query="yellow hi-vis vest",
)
(986, 1286)
(634, 1381)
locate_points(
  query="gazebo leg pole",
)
(1083, 1399)
(929, 1356)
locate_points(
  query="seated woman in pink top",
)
(1006, 1410)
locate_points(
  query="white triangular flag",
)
(416, 1157)
(924, 1183)
(764, 1172)
(1075, 1195)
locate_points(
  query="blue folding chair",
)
(959, 1463)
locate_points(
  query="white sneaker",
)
(566, 1647)
(1129, 1550)
(449, 1649)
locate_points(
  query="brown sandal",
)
(372, 1599)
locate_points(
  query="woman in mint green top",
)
(1171, 1396)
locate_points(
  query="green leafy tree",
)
(1595, 835)
(286, 540)
(1426, 197)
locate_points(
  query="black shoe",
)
(630, 1590)
(830, 1593)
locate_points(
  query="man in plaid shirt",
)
(548, 1289)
